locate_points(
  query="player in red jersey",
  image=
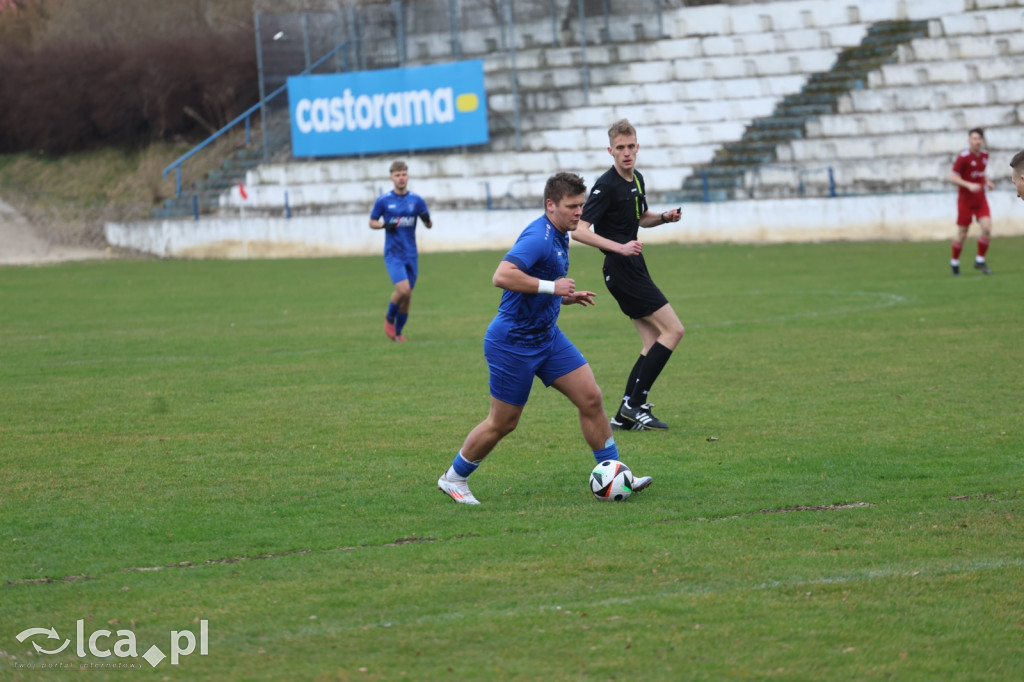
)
(969, 175)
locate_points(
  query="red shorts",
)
(974, 206)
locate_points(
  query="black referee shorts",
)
(631, 285)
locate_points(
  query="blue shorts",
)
(399, 270)
(513, 366)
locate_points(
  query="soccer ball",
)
(611, 480)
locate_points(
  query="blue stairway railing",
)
(247, 115)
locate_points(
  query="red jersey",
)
(971, 167)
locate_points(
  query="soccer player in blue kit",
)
(396, 212)
(523, 340)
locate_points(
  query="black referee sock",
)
(631, 381)
(657, 356)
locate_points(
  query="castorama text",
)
(394, 109)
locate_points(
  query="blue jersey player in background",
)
(523, 340)
(396, 213)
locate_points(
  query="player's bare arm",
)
(584, 235)
(511, 278)
(973, 187)
(653, 218)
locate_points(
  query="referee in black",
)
(612, 216)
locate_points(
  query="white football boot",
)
(457, 490)
(641, 482)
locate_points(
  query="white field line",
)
(873, 300)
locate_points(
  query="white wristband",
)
(545, 286)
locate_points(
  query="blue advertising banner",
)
(419, 107)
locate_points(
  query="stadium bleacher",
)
(723, 67)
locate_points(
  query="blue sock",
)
(392, 311)
(609, 451)
(400, 321)
(461, 467)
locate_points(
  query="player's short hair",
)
(398, 166)
(976, 130)
(561, 185)
(621, 127)
(1017, 163)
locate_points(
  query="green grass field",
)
(839, 497)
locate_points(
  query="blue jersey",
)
(399, 244)
(529, 319)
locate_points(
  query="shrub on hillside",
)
(21, 20)
(70, 97)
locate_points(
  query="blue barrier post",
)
(831, 183)
(195, 206)
(287, 207)
(487, 189)
(704, 184)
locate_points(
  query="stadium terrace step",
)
(812, 95)
(768, 82)
(742, 159)
(719, 173)
(819, 97)
(748, 146)
(831, 82)
(774, 135)
(720, 184)
(806, 111)
(778, 122)
(860, 60)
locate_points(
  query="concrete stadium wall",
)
(910, 217)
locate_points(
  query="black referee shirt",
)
(615, 206)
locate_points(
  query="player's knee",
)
(591, 401)
(504, 425)
(673, 335)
